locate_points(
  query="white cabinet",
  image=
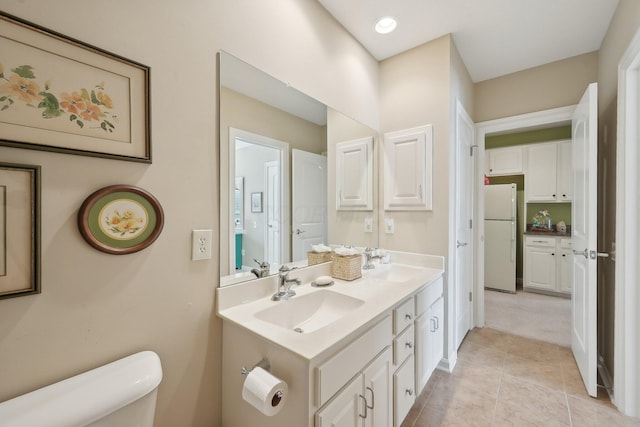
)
(565, 266)
(354, 175)
(367, 398)
(404, 392)
(429, 329)
(565, 172)
(408, 158)
(504, 161)
(548, 177)
(345, 408)
(541, 172)
(547, 264)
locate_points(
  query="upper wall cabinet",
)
(354, 175)
(549, 172)
(408, 169)
(504, 161)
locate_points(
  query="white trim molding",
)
(626, 392)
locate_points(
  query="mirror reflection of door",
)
(272, 248)
(262, 162)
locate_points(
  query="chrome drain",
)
(298, 330)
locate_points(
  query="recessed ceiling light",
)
(386, 24)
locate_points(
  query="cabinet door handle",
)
(554, 196)
(408, 344)
(437, 322)
(433, 325)
(365, 407)
(564, 254)
(409, 392)
(373, 401)
(553, 254)
(408, 316)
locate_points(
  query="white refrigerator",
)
(500, 203)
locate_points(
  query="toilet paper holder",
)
(263, 363)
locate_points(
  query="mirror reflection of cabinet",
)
(354, 175)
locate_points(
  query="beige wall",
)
(245, 113)
(415, 91)
(557, 84)
(97, 307)
(624, 25)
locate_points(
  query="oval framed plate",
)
(120, 219)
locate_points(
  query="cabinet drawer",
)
(335, 372)
(403, 316)
(403, 346)
(429, 295)
(565, 243)
(404, 394)
(540, 241)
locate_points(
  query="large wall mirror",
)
(277, 169)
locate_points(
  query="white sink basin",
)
(393, 273)
(310, 312)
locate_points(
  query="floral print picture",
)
(62, 95)
(123, 219)
(81, 107)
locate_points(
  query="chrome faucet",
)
(263, 270)
(284, 287)
(370, 254)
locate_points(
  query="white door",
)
(309, 201)
(377, 391)
(464, 205)
(346, 409)
(584, 237)
(271, 202)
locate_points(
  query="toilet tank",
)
(121, 393)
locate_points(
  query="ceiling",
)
(494, 37)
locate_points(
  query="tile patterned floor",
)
(530, 315)
(506, 380)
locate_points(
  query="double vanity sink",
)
(350, 322)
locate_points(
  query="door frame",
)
(626, 392)
(555, 116)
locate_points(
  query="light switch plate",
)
(368, 224)
(389, 226)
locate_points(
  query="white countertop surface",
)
(379, 297)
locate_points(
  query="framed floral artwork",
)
(120, 219)
(59, 94)
(19, 230)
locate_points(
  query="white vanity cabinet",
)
(367, 378)
(547, 264)
(504, 161)
(549, 172)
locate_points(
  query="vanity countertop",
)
(379, 296)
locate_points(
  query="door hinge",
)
(470, 296)
(470, 224)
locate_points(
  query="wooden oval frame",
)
(89, 202)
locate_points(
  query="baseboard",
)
(447, 365)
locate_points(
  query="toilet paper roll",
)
(264, 391)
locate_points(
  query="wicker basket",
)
(314, 258)
(346, 267)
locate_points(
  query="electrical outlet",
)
(201, 244)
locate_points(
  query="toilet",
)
(121, 393)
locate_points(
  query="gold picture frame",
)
(59, 94)
(19, 230)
